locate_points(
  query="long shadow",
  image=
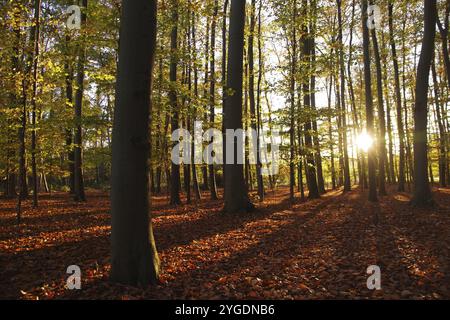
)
(415, 225)
(242, 259)
(28, 270)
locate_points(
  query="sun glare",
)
(364, 141)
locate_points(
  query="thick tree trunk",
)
(134, 256)
(422, 192)
(236, 197)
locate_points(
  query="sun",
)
(364, 141)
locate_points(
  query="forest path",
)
(308, 250)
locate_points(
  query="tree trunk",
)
(36, 36)
(347, 183)
(212, 93)
(313, 190)
(224, 77)
(442, 144)
(175, 172)
(292, 108)
(78, 144)
(251, 91)
(134, 256)
(444, 30)
(398, 100)
(422, 192)
(69, 105)
(369, 103)
(194, 116)
(381, 118)
(236, 197)
(318, 156)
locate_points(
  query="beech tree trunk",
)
(422, 191)
(381, 119)
(175, 172)
(236, 197)
(212, 97)
(347, 182)
(79, 194)
(134, 256)
(398, 101)
(369, 104)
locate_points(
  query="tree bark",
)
(212, 95)
(347, 182)
(381, 118)
(422, 192)
(236, 198)
(398, 100)
(134, 256)
(79, 194)
(175, 172)
(369, 103)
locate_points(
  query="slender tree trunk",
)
(369, 103)
(251, 91)
(442, 133)
(318, 156)
(444, 31)
(194, 116)
(347, 183)
(398, 100)
(330, 136)
(292, 108)
(224, 77)
(134, 257)
(381, 118)
(212, 95)
(175, 172)
(258, 109)
(78, 144)
(390, 169)
(422, 192)
(36, 36)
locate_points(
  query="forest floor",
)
(310, 250)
